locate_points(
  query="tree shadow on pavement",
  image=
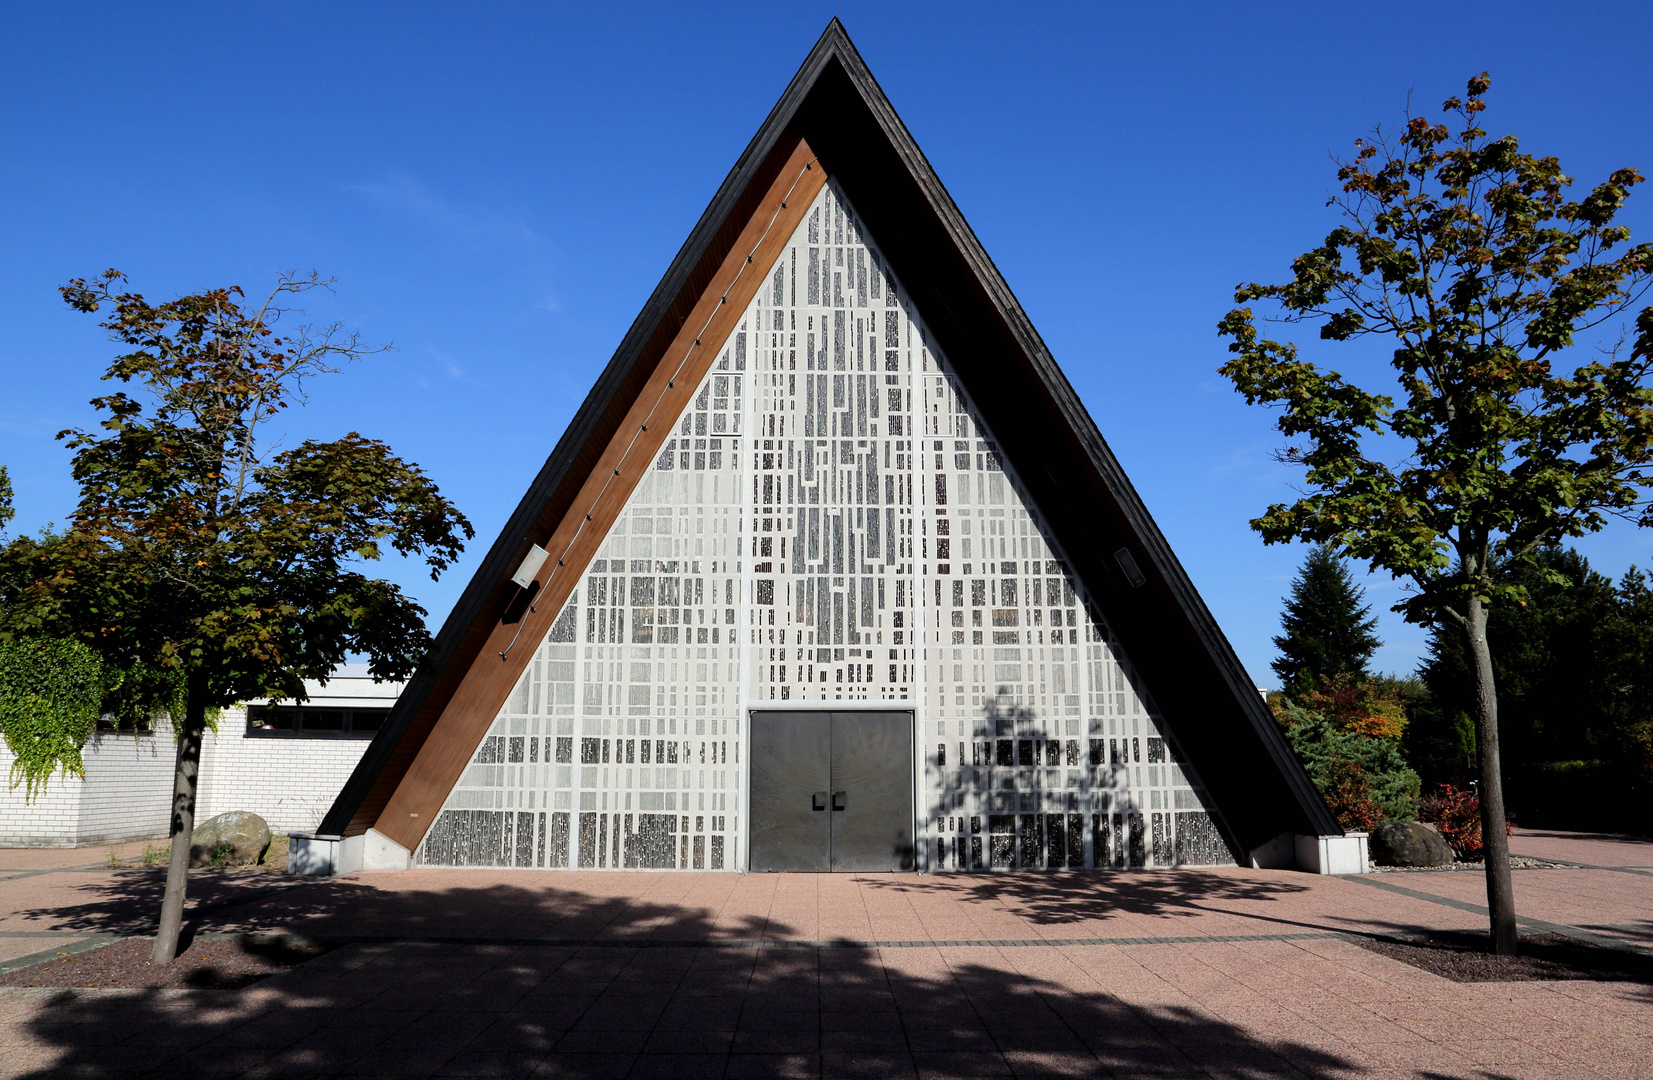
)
(1057, 898)
(1639, 932)
(517, 977)
(129, 902)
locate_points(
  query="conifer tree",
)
(1328, 631)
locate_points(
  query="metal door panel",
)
(872, 780)
(791, 766)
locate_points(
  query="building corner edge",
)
(1343, 853)
(327, 855)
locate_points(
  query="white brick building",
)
(285, 764)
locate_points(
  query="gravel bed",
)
(1463, 957)
(1517, 862)
(216, 963)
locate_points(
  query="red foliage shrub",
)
(1348, 792)
(1457, 814)
(1363, 706)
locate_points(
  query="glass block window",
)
(829, 521)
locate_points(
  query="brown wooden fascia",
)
(574, 542)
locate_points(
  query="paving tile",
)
(689, 1042)
(600, 1041)
(678, 1066)
(871, 1020)
(855, 1065)
(773, 1066)
(1044, 1040)
(721, 1001)
(491, 1064)
(776, 1042)
(198, 1062)
(765, 1020)
(963, 1063)
(32, 1062)
(944, 1040)
(587, 1066)
(1042, 1065)
(403, 1062)
(126, 1059)
(1144, 1058)
(615, 1019)
(864, 1041)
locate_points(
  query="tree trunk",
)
(1495, 846)
(183, 823)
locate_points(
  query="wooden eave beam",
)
(624, 460)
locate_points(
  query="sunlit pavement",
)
(519, 973)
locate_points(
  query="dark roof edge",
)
(509, 546)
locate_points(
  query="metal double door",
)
(832, 791)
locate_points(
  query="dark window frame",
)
(106, 725)
(258, 715)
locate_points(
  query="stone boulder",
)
(235, 839)
(1408, 843)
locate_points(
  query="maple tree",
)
(1471, 259)
(203, 555)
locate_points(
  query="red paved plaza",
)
(517, 973)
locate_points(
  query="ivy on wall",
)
(51, 693)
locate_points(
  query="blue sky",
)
(498, 187)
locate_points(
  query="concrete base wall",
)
(313, 854)
(320, 855)
(1278, 854)
(1344, 854)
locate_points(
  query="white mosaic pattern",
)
(831, 503)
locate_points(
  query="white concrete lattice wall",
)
(290, 782)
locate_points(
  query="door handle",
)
(818, 800)
(838, 799)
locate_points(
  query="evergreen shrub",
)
(1365, 780)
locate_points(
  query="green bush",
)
(1338, 760)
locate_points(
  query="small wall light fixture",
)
(531, 564)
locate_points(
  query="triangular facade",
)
(840, 575)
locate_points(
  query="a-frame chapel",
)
(832, 570)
